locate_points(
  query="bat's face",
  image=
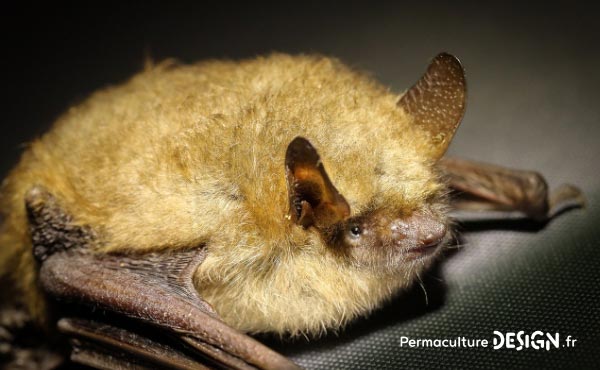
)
(399, 228)
(357, 231)
(388, 240)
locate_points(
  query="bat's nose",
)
(432, 237)
(420, 231)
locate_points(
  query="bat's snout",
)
(421, 233)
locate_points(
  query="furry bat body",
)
(281, 194)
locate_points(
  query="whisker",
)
(423, 288)
(455, 246)
(436, 278)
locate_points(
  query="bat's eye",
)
(355, 231)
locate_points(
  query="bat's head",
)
(389, 231)
(366, 213)
(386, 235)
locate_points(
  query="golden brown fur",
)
(182, 156)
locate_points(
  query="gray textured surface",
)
(533, 78)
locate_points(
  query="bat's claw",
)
(564, 198)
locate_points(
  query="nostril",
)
(432, 234)
(421, 230)
(431, 239)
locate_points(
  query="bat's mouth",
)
(423, 250)
(427, 246)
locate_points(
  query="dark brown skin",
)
(97, 344)
(482, 186)
(314, 201)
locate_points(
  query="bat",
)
(162, 220)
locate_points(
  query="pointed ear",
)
(437, 101)
(313, 200)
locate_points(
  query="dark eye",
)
(355, 230)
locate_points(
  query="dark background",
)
(534, 77)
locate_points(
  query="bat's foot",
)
(485, 191)
(564, 198)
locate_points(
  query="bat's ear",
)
(313, 200)
(437, 101)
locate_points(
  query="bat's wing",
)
(487, 191)
(160, 321)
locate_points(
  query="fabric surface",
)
(533, 81)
